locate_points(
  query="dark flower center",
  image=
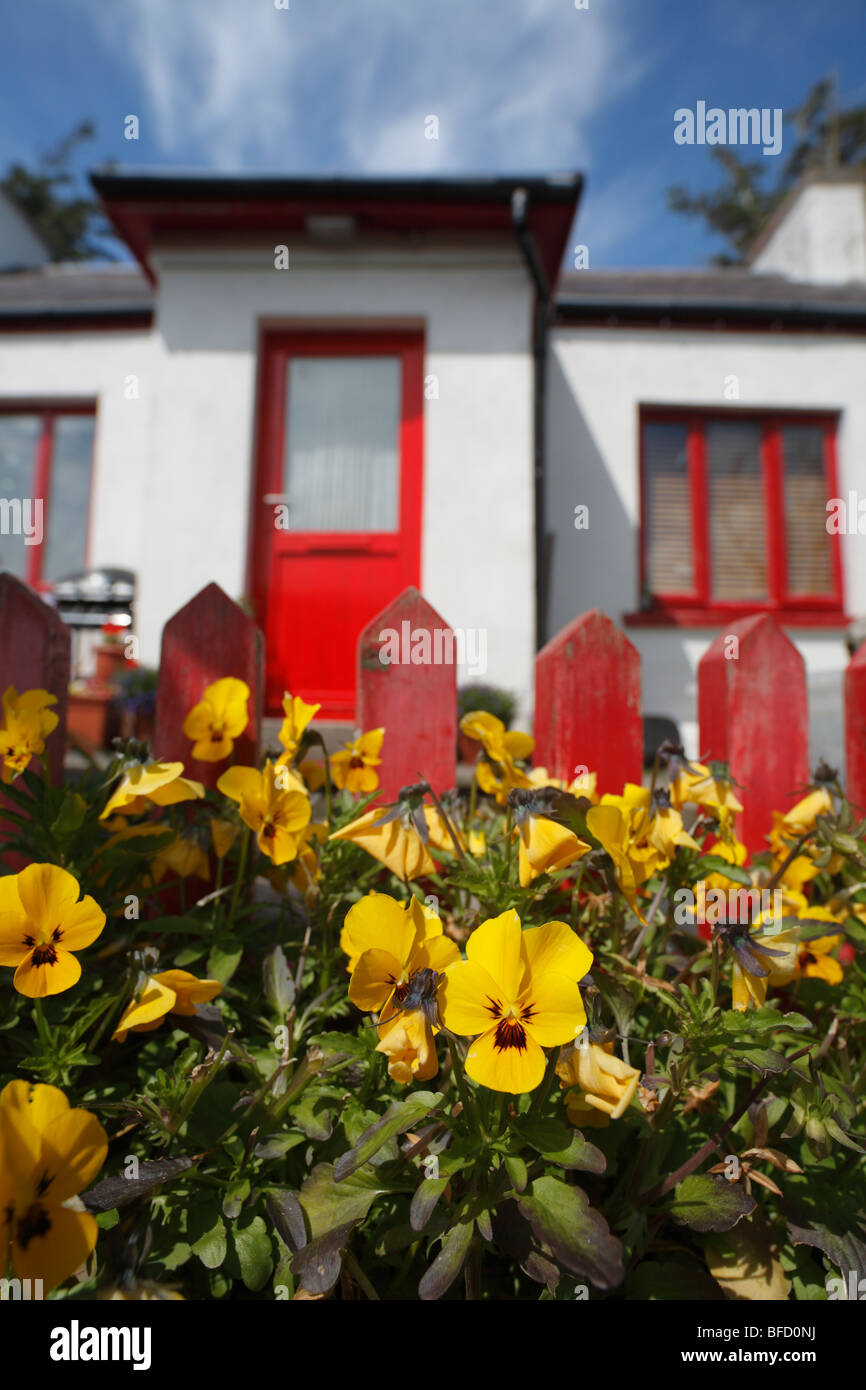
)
(34, 1222)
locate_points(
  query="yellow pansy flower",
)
(171, 991)
(223, 833)
(273, 803)
(219, 718)
(396, 845)
(160, 783)
(41, 923)
(26, 723)
(516, 993)
(605, 1084)
(409, 933)
(297, 715)
(622, 825)
(307, 869)
(793, 824)
(48, 1154)
(184, 857)
(387, 944)
(407, 1042)
(761, 960)
(503, 747)
(545, 846)
(353, 768)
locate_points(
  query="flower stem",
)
(242, 864)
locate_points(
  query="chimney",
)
(818, 234)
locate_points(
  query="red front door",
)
(337, 524)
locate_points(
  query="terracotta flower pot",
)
(110, 661)
(86, 716)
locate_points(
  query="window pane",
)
(19, 435)
(670, 563)
(342, 429)
(809, 570)
(70, 496)
(738, 536)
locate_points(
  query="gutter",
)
(541, 321)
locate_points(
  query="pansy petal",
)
(373, 979)
(378, 922)
(556, 1013)
(554, 946)
(153, 1003)
(47, 892)
(82, 924)
(515, 1066)
(496, 946)
(74, 1147)
(435, 954)
(53, 1244)
(469, 999)
(47, 978)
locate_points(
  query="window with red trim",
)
(45, 471)
(734, 516)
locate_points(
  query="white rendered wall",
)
(599, 380)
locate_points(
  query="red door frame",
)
(277, 346)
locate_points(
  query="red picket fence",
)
(752, 703)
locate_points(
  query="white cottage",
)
(318, 390)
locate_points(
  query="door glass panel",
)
(19, 435)
(70, 496)
(341, 466)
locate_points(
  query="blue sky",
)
(345, 85)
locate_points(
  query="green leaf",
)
(708, 1202)
(763, 1020)
(559, 1144)
(224, 960)
(328, 1204)
(517, 1171)
(573, 1232)
(448, 1263)
(252, 1244)
(399, 1117)
(312, 1114)
(317, 1265)
(119, 1191)
(715, 864)
(211, 1247)
(236, 1194)
(427, 1194)
(70, 817)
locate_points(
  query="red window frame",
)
(277, 345)
(698, 607)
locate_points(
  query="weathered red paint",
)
(210, 637)
(416, 704)
(588, 703)
(855, 729)
(752, 713)
(34, 655)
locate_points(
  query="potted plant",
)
(490, 698)
(137, 699)
(87, 712)
(111, 653)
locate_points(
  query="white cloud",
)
(347, 83)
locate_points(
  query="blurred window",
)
(734, 512)
(45, 469)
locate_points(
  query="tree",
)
(66, 224)
(740, 207)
